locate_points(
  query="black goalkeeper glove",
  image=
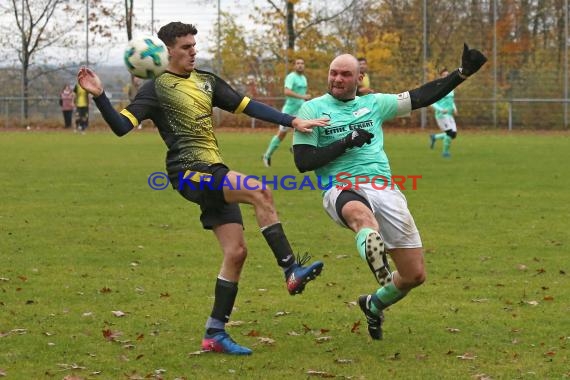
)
(358, 138)
(471, 61)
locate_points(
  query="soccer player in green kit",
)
(350, 150)
(295, 95)
(445, 110)
(180, 103)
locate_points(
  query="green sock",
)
(386, 296)
(446, 144)
(440, 136)
(361, 241)
(273, 145)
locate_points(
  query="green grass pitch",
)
(103, 278)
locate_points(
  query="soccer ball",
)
(146, 57)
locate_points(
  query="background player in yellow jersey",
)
(364, 83)
(81, 108)
(180, 103)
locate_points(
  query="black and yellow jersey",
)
(181, 108)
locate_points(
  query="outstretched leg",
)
(261, 198)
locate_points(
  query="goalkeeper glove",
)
(471, 61)
(358, 138)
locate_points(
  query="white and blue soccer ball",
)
(146, 57)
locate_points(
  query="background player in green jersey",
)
(349, 153)
(295, 95)
(180, 103)
(445, 110)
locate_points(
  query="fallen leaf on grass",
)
(235, 323)
(322, 339)
(466, 356)
(105, 290)
(482, 376)
(118, 313)
(479, 300)
(319, 373)
(265, 340)
(343, 361)
(396, 356)
(72, 377)
(111, 335)
(453, 330)
(355, 327)
(72, 366)
(2, 372)
(532, 303)
(548, 298)
(281, 313)
(293, 333)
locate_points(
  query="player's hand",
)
(471, 61)
(89, 81)
(303, 125)
(358, 138)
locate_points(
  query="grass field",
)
(103, 278)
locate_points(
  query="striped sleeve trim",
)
(130, 116)
(242, 105)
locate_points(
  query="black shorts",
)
(210, 197)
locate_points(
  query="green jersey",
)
(446, 103)
(367, 112)
(297, 83)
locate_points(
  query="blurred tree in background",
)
(531, 52)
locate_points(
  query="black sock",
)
(225, 296)
(212, 331)
(275, 237)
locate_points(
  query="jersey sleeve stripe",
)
(130, 116)
(242, 105)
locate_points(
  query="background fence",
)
(512, 114)
(524, 85)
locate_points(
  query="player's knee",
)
(236, 254)
(414, 279)
(264, 196)
(452, 134)
(419, 278)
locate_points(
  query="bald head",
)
(344, 73)
(345, 62)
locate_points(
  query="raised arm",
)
(431, 92)
(90, 81)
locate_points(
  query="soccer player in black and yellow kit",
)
(180, 103)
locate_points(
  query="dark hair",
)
(443, 70)
(361, 59)
(169, 32)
